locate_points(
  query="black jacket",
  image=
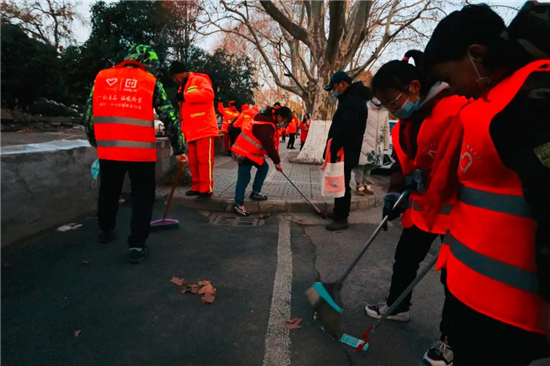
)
(349, 122)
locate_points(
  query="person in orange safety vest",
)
(199, 126)
(258, 138)
(424, 116)
(497, 166)
(119, 122)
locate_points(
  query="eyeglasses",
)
(393, 105)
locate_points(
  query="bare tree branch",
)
(295, 30)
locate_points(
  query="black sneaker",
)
(331, 216)
(257, 196)
(440, 354)
(338, 225)
(137, 255)
(203, 197)
(106, 237)
(377, 311)
(192, 193)
(240, 210)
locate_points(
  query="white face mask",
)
(482, 81)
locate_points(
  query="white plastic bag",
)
(333, 182)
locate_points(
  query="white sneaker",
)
(440, 354)
(377, 311)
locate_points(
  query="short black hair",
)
(284, 112)
(398, 74)
(473, 24)
(277, 104)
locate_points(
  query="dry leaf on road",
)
(208, 289)
(263, 216)
(177, 281)
(194, 288)
(77, 333)
(208, 298)
(203, 283)
(293, 323)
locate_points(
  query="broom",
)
(325, 297)
(164, 223)
(317, 210)
(361, 345)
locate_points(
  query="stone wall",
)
(49, 184)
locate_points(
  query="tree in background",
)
(49, 21)
(30, 70)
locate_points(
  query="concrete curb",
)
(270, 206)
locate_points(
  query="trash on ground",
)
(263, 216)
(293, 323)
(77, 333)
(67, 227)
(202, 288)
(85, 262)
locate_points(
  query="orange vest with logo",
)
(245, 118)
(249, 146)
(123, 113)
(198, 117)
(491, 258)
(432, 129)
(228, 115)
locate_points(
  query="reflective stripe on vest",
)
(125, 121)
(123, 114)
(123, 143)
(508, 204)
(445, 209)
(492, 268)
(249, 146)
(491, 263)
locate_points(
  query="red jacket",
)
(293, 126)
(198, 118)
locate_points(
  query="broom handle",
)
(299, 191)
(179, 170)
(371, 239)
(407, 291)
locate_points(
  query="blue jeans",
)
(243, 179)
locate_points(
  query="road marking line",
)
(277, 340)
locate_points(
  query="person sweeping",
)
(119, 122)
(258, 138)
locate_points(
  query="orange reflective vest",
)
(432, 129)
(249, 146)
(198, 118)
(491, 258)
(245, 118)
(123, 113)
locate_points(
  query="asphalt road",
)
(57, 283)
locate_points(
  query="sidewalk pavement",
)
(283, 197)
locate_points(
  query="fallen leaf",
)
(208, 298)
(263, 216)
(293, 323)
(208, 289)
(194, 288)
(177, 281)
(77, 333)
(203, 283)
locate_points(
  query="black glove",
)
(389, 201)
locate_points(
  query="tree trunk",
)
(324, 106)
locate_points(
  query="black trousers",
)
(479, 340)
(342, 204)
(412, 248)
(142, 176)
(291, 139)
